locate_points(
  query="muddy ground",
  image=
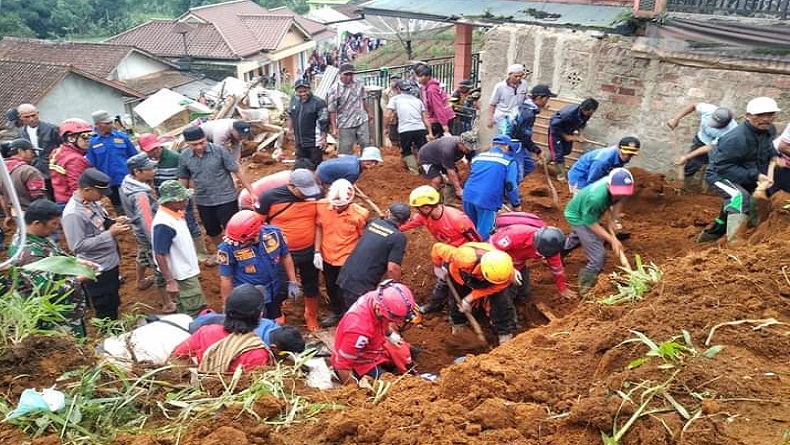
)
(565, 377)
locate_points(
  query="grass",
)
(632, 284)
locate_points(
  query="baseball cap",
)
(19, 144)
(371, 154)
(149, 141)
(502, 139)
(346, 68)
(466, 83)
(303, 179)
(243, 127)
(101, 116)
(400, 211)
(301, 82)
(515, 68)
(720, 118)
(245, 301)
(761, 105)
(94, 178)
(140, 161)
(193, 133)
(12, 115)
(630, 145)
(541, 90)
(621, 182)
(172, 190)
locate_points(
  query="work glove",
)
(294, 290)
(466, 306)
(517, 279)
(395, 338)
(440, 272)
(318, 261)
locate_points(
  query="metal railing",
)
(443, 70)
(752, 8)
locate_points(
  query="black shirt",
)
(381, 243)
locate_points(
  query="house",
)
(237, 38)
(61, 91)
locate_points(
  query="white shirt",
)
(32, 133)
(153, 342)
(409, 110)
(707, 134)
(182, 260)
(507, 99)
(784, 137)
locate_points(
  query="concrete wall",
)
(77, 96)
(638, 88)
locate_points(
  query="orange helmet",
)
(243, 226)
(74, 126)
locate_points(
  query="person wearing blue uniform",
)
(348, 167)
(252, 253)
(564, 130)
(108, 152)
(596, 164)
(522, 125)
(493, 175)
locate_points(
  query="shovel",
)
(368, 201)
(555, 199)
(623, 259)
(472, 321)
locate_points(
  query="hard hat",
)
(761, 105)
(424, 195)
(394, 301)
(496, 266)
(243, 226)
(549, 241)
(341, 193)
(74, 126)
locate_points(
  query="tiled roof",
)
(268, 30)
(99, 59)
(160, 37)
(152, 83)
(226, 17)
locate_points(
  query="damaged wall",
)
(640, 83)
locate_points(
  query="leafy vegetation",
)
(632, 284)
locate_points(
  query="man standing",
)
(348, 112)
(109, 151)
(28, 181)
(437, 160)
(378, 253)
(391, 130)
(584, 213)
(223, 132)
(595, 164)
(339, 226)
(564, 130)
(739, 162)
(68, 161)
(91, 235)
(412, 118)
(447, 225)
(493, 175)
(174, 252)
(43, 135)
(523, 123)
(435, 99)
(307, 115)
(507, 96)
(211, 169)
(349, 167)
(714, 123)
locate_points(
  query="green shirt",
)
(166, 167)
(589, 204)
(35, 248)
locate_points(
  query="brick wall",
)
(638, 91)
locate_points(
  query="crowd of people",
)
(281, 233)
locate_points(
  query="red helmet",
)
(74, 126)
(243, 226)
(395, 302)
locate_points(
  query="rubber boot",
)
(736, 224)
(505, 338)
(561, 173)
(411, 164)
(448, 194)
(200, 248)
(586, 281)
(311, 313)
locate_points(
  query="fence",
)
(752, 8)
(443, 70)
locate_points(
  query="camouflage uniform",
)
(70, 292)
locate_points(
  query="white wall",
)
(136, 65)
(77, 96)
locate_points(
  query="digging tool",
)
(472, 321)
(678, 151)
(368, 201)
(600, 144)
(555, 199)
(761, 191)
(623, 259)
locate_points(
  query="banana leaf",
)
(61, 265)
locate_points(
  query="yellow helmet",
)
(423, 195)
(497, 267)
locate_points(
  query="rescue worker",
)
(447, 225)
(109, 151)
(68, 161)
(348, 167)
(367, 339)
(493, 175)
(378, 254)
(584, 213)
(481, 273)
(28, 181)
(293, 209)
(596, 164)
(307, 113)
(437, 161)
(247, 200)
(252, 253)
(737, 165)
(277, 338)
(228, 133)
(526, 237)
(413, 128)
(522, 125)
(564, 129)
(339, 226)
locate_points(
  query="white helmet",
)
(341, 193)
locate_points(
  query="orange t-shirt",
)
(341, 231)
(465, 261)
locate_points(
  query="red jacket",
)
(436, 103)
(65, 167)
(518, 241)
(453, 227)
(360, 338)
(197, 344)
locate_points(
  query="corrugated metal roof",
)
(498, 11)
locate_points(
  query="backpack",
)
(512, 218)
